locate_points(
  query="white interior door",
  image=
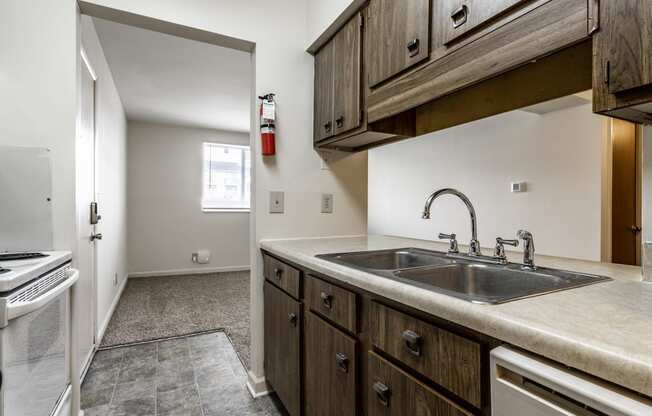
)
(86, 255)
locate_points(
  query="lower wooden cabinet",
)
(283, 316)
(392, 392)
(331, 370)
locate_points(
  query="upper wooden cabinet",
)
(324, 93)
(399, 37)
(347, 70)
(622, 61)
(461, 16)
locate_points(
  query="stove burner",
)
(20, 256)
(3, 271)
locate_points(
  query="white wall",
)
(38, 94)
(558, 154)
(166, 222)
(111, 177)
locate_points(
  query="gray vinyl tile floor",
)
(198, 375)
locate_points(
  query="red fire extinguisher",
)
(267, 124)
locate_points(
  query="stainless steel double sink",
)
(461, 277)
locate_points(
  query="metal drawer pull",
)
(413, 47)
(382, 393)
(340, 121)
(292, 317)
(327, 126)
(412, 342)
(460, 16)
(326, 300)
(342, 362)
(278, 273)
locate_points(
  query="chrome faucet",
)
(528, 249)
(474, 245)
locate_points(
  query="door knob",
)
(635, 229)
(97, 236)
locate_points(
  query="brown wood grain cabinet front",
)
(331, 370)
(332, 302)
(393, 392)
(452, 361)
(284, 276)
(622, 60)
(282, 334)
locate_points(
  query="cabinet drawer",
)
(452, 361)
(282, 275)
(461, 16)
(332, 302)
(394, 392)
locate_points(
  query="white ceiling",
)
(167, 79)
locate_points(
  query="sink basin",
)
(463, 278)
(389, 260)
(481, 283)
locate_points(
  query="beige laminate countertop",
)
(604, 329)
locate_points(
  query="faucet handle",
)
(499, 251)
(452, 248)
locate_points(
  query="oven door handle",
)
(18, 309)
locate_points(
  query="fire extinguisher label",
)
(269, 110)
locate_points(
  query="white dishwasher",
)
(526, 385)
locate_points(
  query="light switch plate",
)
(276, 202)
(327, 203)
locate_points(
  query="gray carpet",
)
(159, 307)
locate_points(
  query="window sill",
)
(222, 210)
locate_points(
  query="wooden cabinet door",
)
(324, 125)
(460, 16)
(282, 346)
(628, 25)
(399, 37)
(330, 367)
(347, 50)
(392, 392)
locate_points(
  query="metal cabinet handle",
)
(97, 236)
(340, 121)
(342, 362)
(412, 342)
(326, 300)
(413, 47)
(328, 126)
(292, 317)
(382, 393)
(278, 273)
(460, 15)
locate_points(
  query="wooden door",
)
(628, 25)
(283, 316)
(324, 125)
(625, 222)
(399, 37)
(86, 246)
(330, 370)
(347, 66)
(392, 392)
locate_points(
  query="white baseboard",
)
(181, 272)
(257, 386)
(107, 319)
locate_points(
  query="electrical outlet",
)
(276, 202)
(327, 203)
(115, 279)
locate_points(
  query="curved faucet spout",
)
(474, 245)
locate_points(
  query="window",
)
(227, 177)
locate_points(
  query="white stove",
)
(35, 333)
